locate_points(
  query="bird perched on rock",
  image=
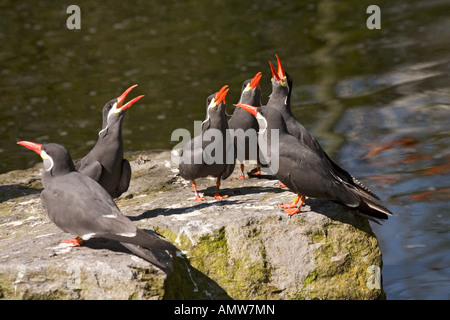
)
(206, 154)
(280, 99)
(305, 171)
(79, 205)
(251, 94)
(105, 163)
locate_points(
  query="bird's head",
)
(267, 117)
(114, 110)
(215, 103)
(218, 99)
(251, 91)
(279, 76)
(57, 160)
(256, 111)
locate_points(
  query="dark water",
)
(378, 100)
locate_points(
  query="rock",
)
(241, 247)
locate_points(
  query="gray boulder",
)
(241, 247)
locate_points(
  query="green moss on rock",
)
(241, 278)
(342, 261)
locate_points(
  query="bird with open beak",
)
(308, 173)
(241, 121)
(204, 156)
(105, 163)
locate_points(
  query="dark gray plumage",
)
(250, 94)
(306, 172)
(105, 163)
(280, 99)
(79, 205)
(200, 157)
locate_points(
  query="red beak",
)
(122, 97)
(255, 81)
(131, 102)
(281, 73)
(248, 108)
(220, 96)
(36, 147)
(274, 72)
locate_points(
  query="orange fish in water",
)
(382, 178)
(402, 143)
(432, 195)
(445, 168)
(415, 157)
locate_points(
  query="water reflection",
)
(408, 162)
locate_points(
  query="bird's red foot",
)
(259, 173)
(282, 185)
(218, 196)
(198, 198)
(76, 242)
(292, 211)
(242, 177)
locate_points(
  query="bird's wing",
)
(303, 171)
(125, 178)
(346, 176)
(302, 134)
(92, 170)
(79, 205)
(229, 168)
(191, 161)
(229, 158)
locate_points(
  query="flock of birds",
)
(78, 198)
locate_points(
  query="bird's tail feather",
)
(347, 177)
(371, 207)
(146, 240)
(160, 259)
(150, 247)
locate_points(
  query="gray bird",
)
(306, 172)
(206, 154)
(79, 205)
(105, 163)
(251, 94)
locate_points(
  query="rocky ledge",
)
(241, 247)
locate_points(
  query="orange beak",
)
(277, 74)
(249, 108)
(122, 97)
(274, 72)
(36, 147)
(255, 81)
(281, 73)
(221, 94)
